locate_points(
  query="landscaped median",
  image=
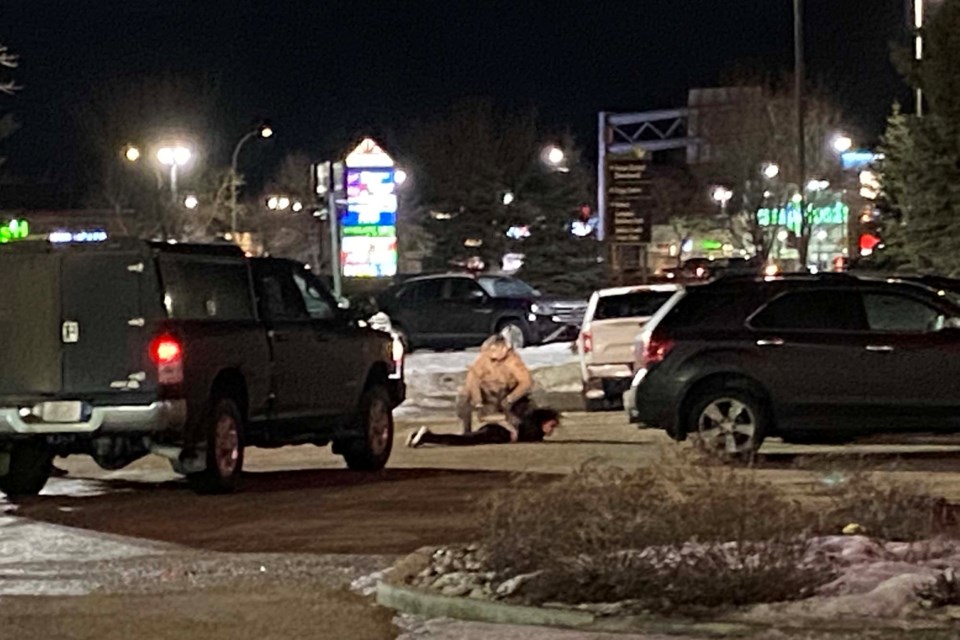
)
(694, 547)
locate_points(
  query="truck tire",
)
(224, 433)
(371, 450)
(31, 463)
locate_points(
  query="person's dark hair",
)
(542, 416)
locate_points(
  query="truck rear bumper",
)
(168, 415)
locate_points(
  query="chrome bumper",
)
(158, 416)
(630, 397)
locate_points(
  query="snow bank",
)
(433, 379)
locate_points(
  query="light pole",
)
(799, 72)
(263, 131)
(174, 157)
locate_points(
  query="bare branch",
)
(8, 59)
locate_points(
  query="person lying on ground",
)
(534, 427)
(497, 382)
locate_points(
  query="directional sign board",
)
(628, 200)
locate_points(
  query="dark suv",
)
(809, 359)
(461, 310)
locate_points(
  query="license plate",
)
(64, 411)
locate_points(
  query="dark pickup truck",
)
(124, 348)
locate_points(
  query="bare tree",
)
(8, 60)
(679, 201)
(753, 126)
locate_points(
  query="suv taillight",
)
(587, 340)
(656, 349)
(167, 353)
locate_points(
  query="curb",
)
(416, 602)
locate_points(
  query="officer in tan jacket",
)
(497, 382)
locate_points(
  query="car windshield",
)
(639, 304)
(500, 287)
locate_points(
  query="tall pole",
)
(918, 47)
(799, 73)
(173, 183)
(233, 180)
(334, 224)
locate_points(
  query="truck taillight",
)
(587, 340)
(656, 349)
(167, 353)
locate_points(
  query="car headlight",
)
(534, 308)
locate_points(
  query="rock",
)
(952, 612)
(456, 590)
(509, 587)
(479, 593)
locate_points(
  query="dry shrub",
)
(890, 510)
(679, 534)
(884, 506)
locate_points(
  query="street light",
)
(263, 131)
(174, 157)
(842, 143)
(554, 157)
(280, 203)
(722, 195)
(508, 198)
(131, 153)
(771, 170)
(400, 176)
(191, 202)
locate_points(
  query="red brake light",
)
(167, 352)
(656, 350)
(587, 341)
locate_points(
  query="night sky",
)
(325, 70)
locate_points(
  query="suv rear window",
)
(824, 310)
(640, 304)
(203, 289)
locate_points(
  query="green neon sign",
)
(14, 230)
(370, 231)
(789, 216)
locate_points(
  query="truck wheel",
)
(371, 451)
(30, 466)
(224, 431)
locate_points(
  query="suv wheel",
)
(371, 451)
(728, 422)
(513, 332)
(224, 431)
(31, 463)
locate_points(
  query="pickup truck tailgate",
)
(31, 362)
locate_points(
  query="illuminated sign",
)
(14, 230)
(97, 235)
(369, 225)
(370, 231)
(789, 217)
(365, 257)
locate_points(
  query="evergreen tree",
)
(466, 162)
(921, 171)
(555, 260)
